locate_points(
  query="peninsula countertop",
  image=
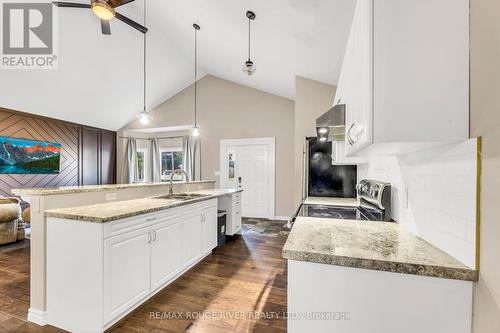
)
(105, 212)
(94, 188)
(382, 246)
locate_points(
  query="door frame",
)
(271, 143)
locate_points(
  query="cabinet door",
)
(191, 238)
(209, 221)
(126, 271)
(165, 252)
(359, 118)
(339, 156)
(108, 157)
(90, 156)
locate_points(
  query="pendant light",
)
(144, 116)
(195, 130)
(249, 68)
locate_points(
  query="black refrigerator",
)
(324, 179)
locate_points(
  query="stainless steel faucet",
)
(176, 172)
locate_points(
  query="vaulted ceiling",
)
(99, 78)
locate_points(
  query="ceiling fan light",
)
(103, 10)
(144, 117)
(249, 68)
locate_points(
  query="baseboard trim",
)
(282, 218)
(38, 317)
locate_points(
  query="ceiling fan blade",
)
(105, 29)
(70, 4)
(133, 24)
(117, 3)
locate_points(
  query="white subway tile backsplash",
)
(441, 194)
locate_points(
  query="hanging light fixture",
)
(195, 130)
(144, 116)
(249, 68)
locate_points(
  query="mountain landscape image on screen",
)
(24, 156)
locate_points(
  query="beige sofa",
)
(10, 213)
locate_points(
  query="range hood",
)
(331, 125)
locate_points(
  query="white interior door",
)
(249, 164)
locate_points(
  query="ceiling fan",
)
(105, 10)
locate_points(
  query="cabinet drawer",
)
(125, 225)
(236, 223)
(121, 226)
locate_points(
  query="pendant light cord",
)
(195, 73)
(249, 38)
(144, 69)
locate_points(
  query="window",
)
(171, 159)
(141, 164)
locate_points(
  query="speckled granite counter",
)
(327, 201)
(94, 188)
(111, 211)
(370, 245)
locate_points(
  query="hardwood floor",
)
(238, 288)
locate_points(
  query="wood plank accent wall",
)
(28, 127)
(24, 125)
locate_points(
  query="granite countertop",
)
(328, 201)
(381, 246)
(116, 210)
(93, 188)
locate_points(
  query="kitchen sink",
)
(182, 196)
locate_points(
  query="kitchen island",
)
(358, 276)
(122, 253)
(43, 199)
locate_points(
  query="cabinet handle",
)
(151, 219)
(348, 135)
(149, 237)
(202, 217)
(154, 235)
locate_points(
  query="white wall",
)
(434, 194)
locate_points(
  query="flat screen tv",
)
(23, 156)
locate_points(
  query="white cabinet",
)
(95, 279)
(415, 303)
(209, 222)
(339, 157)
(404, 78)
(126, 271)
(232, 205)
(165, 250)
(191, 238)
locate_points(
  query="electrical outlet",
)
(110, 196)
(217, 173)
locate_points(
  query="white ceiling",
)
(99, 78)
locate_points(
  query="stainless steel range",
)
(374, 204)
